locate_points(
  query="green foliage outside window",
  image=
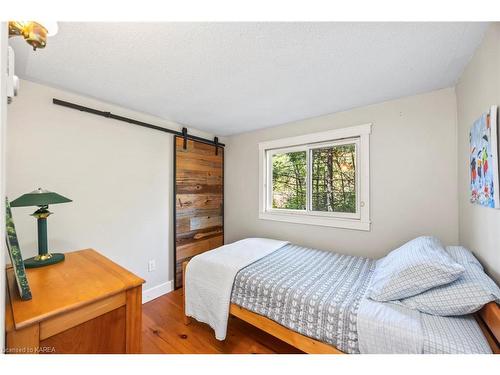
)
(289, 180)
(333, 179)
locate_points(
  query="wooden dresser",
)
(86, 304)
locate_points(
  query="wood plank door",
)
(199, 200)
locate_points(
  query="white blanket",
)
(386, 328)
(210, 277)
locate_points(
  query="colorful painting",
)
(15, 255)
(484, 182)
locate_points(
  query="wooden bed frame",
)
(488, 318)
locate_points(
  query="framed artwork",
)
(15, 255)
(483, 136)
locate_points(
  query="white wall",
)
(3, 121)
(477, 90)
(413, 177)
(118, 175)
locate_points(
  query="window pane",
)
(334, 179)
(289, 180)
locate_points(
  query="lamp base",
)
(43, 260)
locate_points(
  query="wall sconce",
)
(35, 33)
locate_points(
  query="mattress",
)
(321, 294)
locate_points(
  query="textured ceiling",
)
(228, 78)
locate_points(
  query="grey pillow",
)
(466, 295)
(415, 267)
(463, 256)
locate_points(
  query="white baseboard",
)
(157, 291)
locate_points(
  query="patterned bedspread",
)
(313, 292)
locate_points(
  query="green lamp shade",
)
(39, 197)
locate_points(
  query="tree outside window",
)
(333, 179)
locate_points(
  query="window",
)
(289, 180)
(319, 179)
(333, 183)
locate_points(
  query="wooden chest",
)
(86, 304)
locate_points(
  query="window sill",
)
(334, 222)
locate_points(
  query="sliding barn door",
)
(199, 200)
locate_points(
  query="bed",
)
(315, 300)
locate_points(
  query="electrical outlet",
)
(151, 265)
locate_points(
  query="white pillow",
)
(415, 267)
(469, 293)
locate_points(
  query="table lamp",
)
(41, 198)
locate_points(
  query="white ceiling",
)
(228, 78)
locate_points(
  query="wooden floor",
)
(163, 331)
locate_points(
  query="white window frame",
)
(360, 136)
